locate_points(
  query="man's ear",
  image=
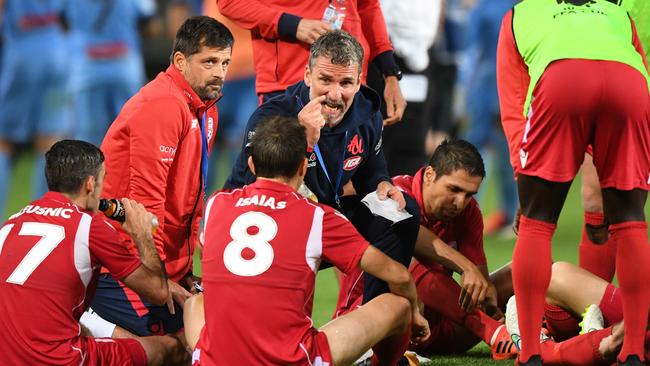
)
(251, 166)
(180, 61)
(89, 184)
(307, 76)
(429, 174)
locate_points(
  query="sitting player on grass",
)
(263, 246)
(50, 255)
(451, 240)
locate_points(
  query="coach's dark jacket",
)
(358, 156)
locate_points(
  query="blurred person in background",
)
(482, 107)
(108, 66)
(34, 94)
(283, 30)
(412, 27)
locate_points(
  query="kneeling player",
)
(451, 240)
(50, 253)
(263, 246)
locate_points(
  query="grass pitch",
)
(498, 250)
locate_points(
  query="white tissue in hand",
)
(386, 208)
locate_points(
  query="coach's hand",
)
(386, 189)
(311, 117)
(310, 29)
(474, 287)
(420, 329)
(138, 222)
(178, 295)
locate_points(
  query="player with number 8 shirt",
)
(263, 246)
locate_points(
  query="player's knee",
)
(399, 311)
(165, 350)
(559, 277)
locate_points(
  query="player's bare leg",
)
(386, 317)
(629, 232)
(193, 319)
(573, 288)
(596, 253)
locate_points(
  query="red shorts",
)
(350, 293)
(314, 344)
(117, 352)
(582, 102)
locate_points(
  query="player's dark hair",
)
(341, 47)
(452, 155)
(201, 31)
(69, 162)
(278, 147)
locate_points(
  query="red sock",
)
(611, 305)
(390, 350)
(531, 273)
(632, 261)
(577, 351)
(560, 323)
(439, 285)
(599, 259)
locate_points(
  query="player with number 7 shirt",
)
(50, 255)
(263, 246)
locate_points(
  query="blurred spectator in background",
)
(239, 100)
(482, 106)
(107, 63)
(283, 30)
(34, 95)
(412, 27)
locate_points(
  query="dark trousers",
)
(395, 240)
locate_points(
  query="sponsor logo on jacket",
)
(352, 162)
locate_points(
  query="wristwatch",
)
(395, 71)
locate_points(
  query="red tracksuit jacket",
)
(153, 155)
(280, 60)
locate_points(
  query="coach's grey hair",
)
(340, 47)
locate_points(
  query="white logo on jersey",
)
(195, 123)
(210, 128)
(261, 201)
(44, 211)
(523, 156)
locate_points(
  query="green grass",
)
(499, 252)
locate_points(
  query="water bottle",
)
(113, 209)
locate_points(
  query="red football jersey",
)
(463, 233)
(50, 252)
(263, 246)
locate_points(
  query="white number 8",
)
(258, 243)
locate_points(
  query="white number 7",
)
(51, 236)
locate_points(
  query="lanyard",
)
(339, 175)
(204, 153)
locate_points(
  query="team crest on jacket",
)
(210, 128)
(352, 162)
(355, 147)
(311, 162)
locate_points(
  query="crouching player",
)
(263, 246)
(574, 295)
(451, 240)
(50, 254)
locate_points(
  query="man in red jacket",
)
(157, 153)
(283, 30)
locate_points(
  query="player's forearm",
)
(149, 255)
(406, 288)
(429, 249)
